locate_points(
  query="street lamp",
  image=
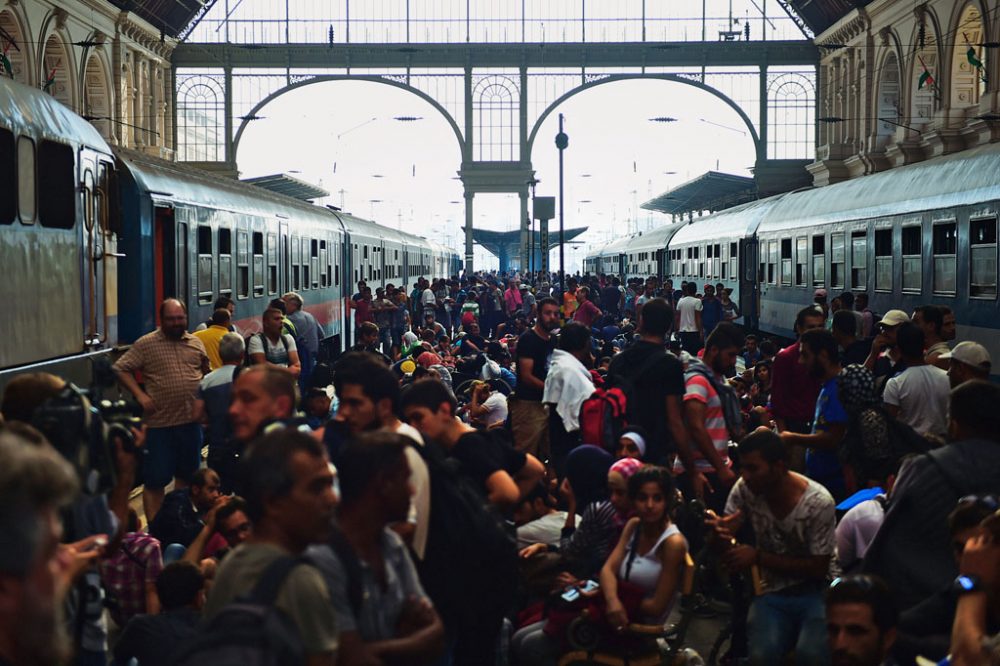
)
(562, 141)
(533, 183)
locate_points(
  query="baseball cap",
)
(970, 353)
(819, 293)
(894, 318)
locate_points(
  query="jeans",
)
(781, 623)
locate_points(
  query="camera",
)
(84, 434)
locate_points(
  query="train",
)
(93, 238)
(916, 234)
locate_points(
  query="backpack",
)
(247, 361)
(904, 440)
(602, 417)
(250, 631)
(605, 414)
(731, 408)
(471, 555)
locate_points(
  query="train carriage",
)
(646, 250)
(58, 236)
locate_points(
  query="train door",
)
(93, 255)
(749, 282)
(285, 257)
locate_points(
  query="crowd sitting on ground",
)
(497, 456)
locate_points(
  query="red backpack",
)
(602, 418)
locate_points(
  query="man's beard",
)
(174, 332)
(42, 639)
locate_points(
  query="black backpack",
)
(471, 554)
(250, 631)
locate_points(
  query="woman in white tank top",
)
(650, 553)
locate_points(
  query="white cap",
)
(894, 318)
(970, 353)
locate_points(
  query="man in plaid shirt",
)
(129, 574)
(172, 362)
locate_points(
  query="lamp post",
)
(531, 267)
(562, 141)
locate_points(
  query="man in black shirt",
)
(528, 416)
(612, 298)
(179, 520)
(657, 381)
(852, 350)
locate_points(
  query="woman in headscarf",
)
(585, 490)
(618, 477)
(632, 443)
(866, 447)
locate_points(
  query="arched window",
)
(200, 118)
(791, 110)
(924, 86)
(887, 109)
(97, 96)
(14, 49)
(968, 60)
(496, 105)
(55, 72)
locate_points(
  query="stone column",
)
(469, 217)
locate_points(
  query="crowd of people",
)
(496, 455)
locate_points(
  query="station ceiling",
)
(173, 17)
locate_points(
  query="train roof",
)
(30, 111)
(738, 221)
(173, 181)
(959, 179)
(654, 239)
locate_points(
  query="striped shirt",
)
(589, 545)
(171, 371)
(697, 387)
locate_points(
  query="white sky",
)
(403, 174)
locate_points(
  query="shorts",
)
(173, 451)
(529, 424)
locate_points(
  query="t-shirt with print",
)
(304, 596)
(808, 530)
(530, 345)
(824, 466)
(697, 387)
(482, 454)
(275, 352)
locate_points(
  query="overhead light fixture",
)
(829, 119)
(407, 119)
(663, 119)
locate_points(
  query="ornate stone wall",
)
(107, 65)
(901, 83)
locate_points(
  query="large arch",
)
(343, 77)
(967, 82)
(98, 102)
(627, 77)
(19, 52)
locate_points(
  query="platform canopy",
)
(711, 191)
(170, 16)
(282, 183)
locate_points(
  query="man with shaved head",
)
(172, 362)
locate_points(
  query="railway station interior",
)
(499, 333)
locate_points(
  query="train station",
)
(514, 333)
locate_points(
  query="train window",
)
(983, 258)
(837, 260)
(225, 262)
(258, 263)
(786, 261)
(242, 264)
(883, 260)
(27, 201)
(57, 180)
(205, 265)
(734, 260)
(306, 264)
(772, 262)
(333, 261)
(819, 260)
(801, 257)
(272, 263)
(716, 270)
(325, 272)
(944, 258)
(912, 259)
(296, 260)
(859, 260)
(314, 262)
(8, 178)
